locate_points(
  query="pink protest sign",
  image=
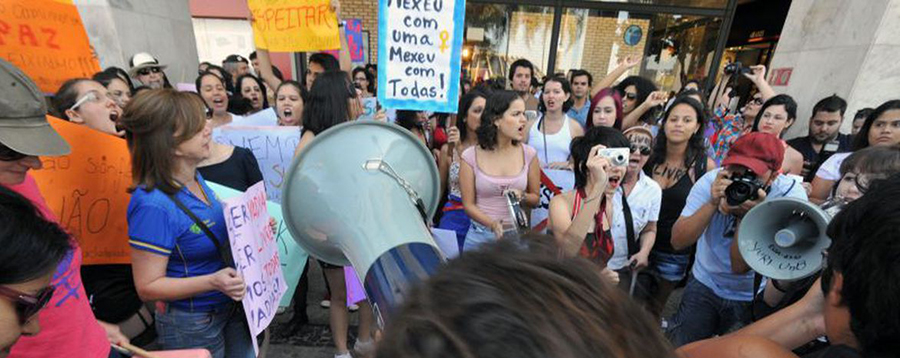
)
(255, 256)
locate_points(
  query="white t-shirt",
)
(644, 202)
(831, 169)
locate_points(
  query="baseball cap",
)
(23, 116)
(235, 58)
(142, 60)
(757, 151)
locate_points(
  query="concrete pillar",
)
(839, 46)
(120, 28)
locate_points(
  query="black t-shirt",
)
(111, 291)
(812, 159)
(839, 351)
(239, 172)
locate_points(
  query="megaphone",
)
(360, 194)
(784, 238)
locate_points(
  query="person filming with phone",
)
(719, 293)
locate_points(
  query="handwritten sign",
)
(272, 146)
(256, 257)
(419, 45)
(370, 107)
(293, 257)
(353, 34)
(87, 191)
(294, 25)
(46, 39)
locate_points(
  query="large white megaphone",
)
(784, 238)
(360, 194)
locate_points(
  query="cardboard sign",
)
(87, 190)
(46, 40)
(419, 45)
(294, 25)
(293, 257)
(256, 257)
(273, 147)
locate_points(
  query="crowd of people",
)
(625, 188)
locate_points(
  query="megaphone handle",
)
(420, 205)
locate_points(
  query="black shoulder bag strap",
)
(633, 246)
(224, 252)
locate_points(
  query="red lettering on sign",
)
(4, 30)
(25, 32)
(52, 37)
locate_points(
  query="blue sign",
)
(633, 35)
(419, 47)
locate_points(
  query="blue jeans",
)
(224, 332)
(669, 267)
(478, 235)
(702, 314)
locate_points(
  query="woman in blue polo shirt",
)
(175, 259)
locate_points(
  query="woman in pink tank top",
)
(499, 163)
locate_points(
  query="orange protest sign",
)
(294, 25)
(45, 39)
(87, 191)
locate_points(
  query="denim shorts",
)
(478, 235)
(224, 331)
(669, 267)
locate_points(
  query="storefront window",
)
(712, 4)
(497, 35)
(673, 48)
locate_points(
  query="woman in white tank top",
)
(551, 136)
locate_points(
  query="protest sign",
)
(419, 44)
(353, 34)
(294, 25)
(370, 107)
(255, 257)
(46, 39)
(293, 257)
(87, 191)
(272, 146)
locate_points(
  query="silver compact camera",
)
(516, 211)
(617, 156)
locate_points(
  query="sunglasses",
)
(27, 306)
(208, 112)
(631, 96)
(9, 155)
(757, 101)
(643, 149)
(93, 97)
(149, 70)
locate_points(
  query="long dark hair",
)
(580, 149)
(33, 246)
(496, 105)
(644, 88)
(327, 105)
(106, 76)
(226, 77)
(262, 87)
(862, 138)
(465, 103)
(696, 150)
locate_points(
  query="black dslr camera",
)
(736, 68)
(743, 187)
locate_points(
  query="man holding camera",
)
(718, 295)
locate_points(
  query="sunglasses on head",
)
(148, 70)
(643, 149)
(9, 155)
(27, 306)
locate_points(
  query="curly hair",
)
(497, 104)
(696, 149)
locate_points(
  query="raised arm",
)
(758, 77)
(624, 65)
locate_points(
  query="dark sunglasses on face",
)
(631, 96)
(757, 101)
(643, 149)
(27, 306)
(148, 70)
(9, 155)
